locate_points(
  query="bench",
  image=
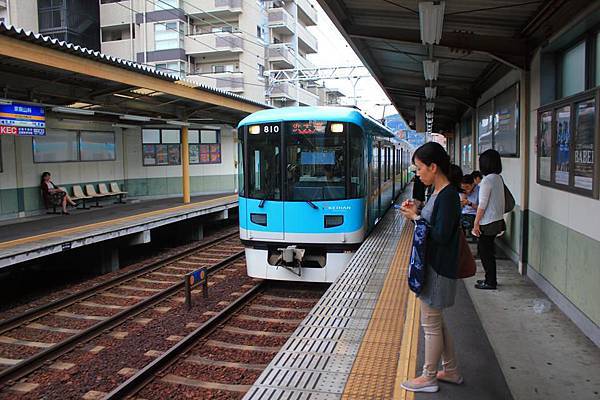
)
(103, 191)
(115, 189)
(91, 192)
(78, 195)
(50, 201)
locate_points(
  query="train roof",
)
(339, 114)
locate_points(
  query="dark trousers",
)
(487, 253)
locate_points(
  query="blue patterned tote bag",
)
(416, 268)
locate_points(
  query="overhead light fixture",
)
(178, 123)
(431, 69)
(135, 118)
(429, 106)
(5, 102)
(67, 110)
(430, 92)
(429, 115)
(124, 96)
(125, 126)
(431, 21)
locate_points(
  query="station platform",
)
(363, 338)
(29, 238)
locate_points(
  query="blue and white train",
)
(313, 182)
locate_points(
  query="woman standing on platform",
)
(489, 220)
(442, 215)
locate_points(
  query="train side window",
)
(357, 174)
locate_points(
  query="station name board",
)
(22, 120)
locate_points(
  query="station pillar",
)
(420, 118)
(185, 164)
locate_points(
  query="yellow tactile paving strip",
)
(103, 224)
(388, 347)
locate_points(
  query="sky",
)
(335, 51)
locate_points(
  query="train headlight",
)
(337, 128)
(254, 129)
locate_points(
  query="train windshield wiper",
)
(313, 205)
(264, 200)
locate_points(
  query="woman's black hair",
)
(477, 174)
(455, 176)
(490, 162)
(44, 174)
(433, 153)
(468, 179)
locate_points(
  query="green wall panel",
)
(554, 253)
(9, 201)
(512, 236)
(534, 248)
(583, 274)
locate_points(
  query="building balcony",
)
(304, 63)
(281, 22)
(283, 91)
(3, 4)
(117, 48)
(307, 12)
(220, 43)
(307, 98)
(281, 56)
(229, 81)
(218, 8)
(116, 13)
(307, 42)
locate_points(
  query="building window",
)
(259, 32)
(205, 146)
(168, 35)
(217, 69)
(65, 146)
(567, 145)
(176, 68)
(161, 147)
(573, 70)
(166, 4)
(261, 71)
(466, 146)
(498, 123)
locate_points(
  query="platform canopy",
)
(38, 69)
(471, 43)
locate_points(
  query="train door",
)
(393, 169)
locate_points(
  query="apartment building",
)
(228, 44)
(290, 43)
(74, 21)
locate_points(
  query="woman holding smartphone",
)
(442, 215)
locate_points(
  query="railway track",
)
(227, 353)
(45, 333)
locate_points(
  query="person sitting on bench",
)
(54, 195)
(468, 200)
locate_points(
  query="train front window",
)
(264, 162)
(316, 161)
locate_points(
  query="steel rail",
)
(49, 308)
(27, 366)
(144, 376)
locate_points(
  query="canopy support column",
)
(185, 164)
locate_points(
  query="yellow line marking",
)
(408, 354)
(89, 227)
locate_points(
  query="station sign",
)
(22, 120)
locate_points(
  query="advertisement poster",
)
(174, 154)
(562, 148)
(194, 154)
(545, 149)
(149, 154)
(22, 120)
(161, 154)
(204, 154)
(583, 169)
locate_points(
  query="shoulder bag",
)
(466, 261)
(509, 200)
(416, 267)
